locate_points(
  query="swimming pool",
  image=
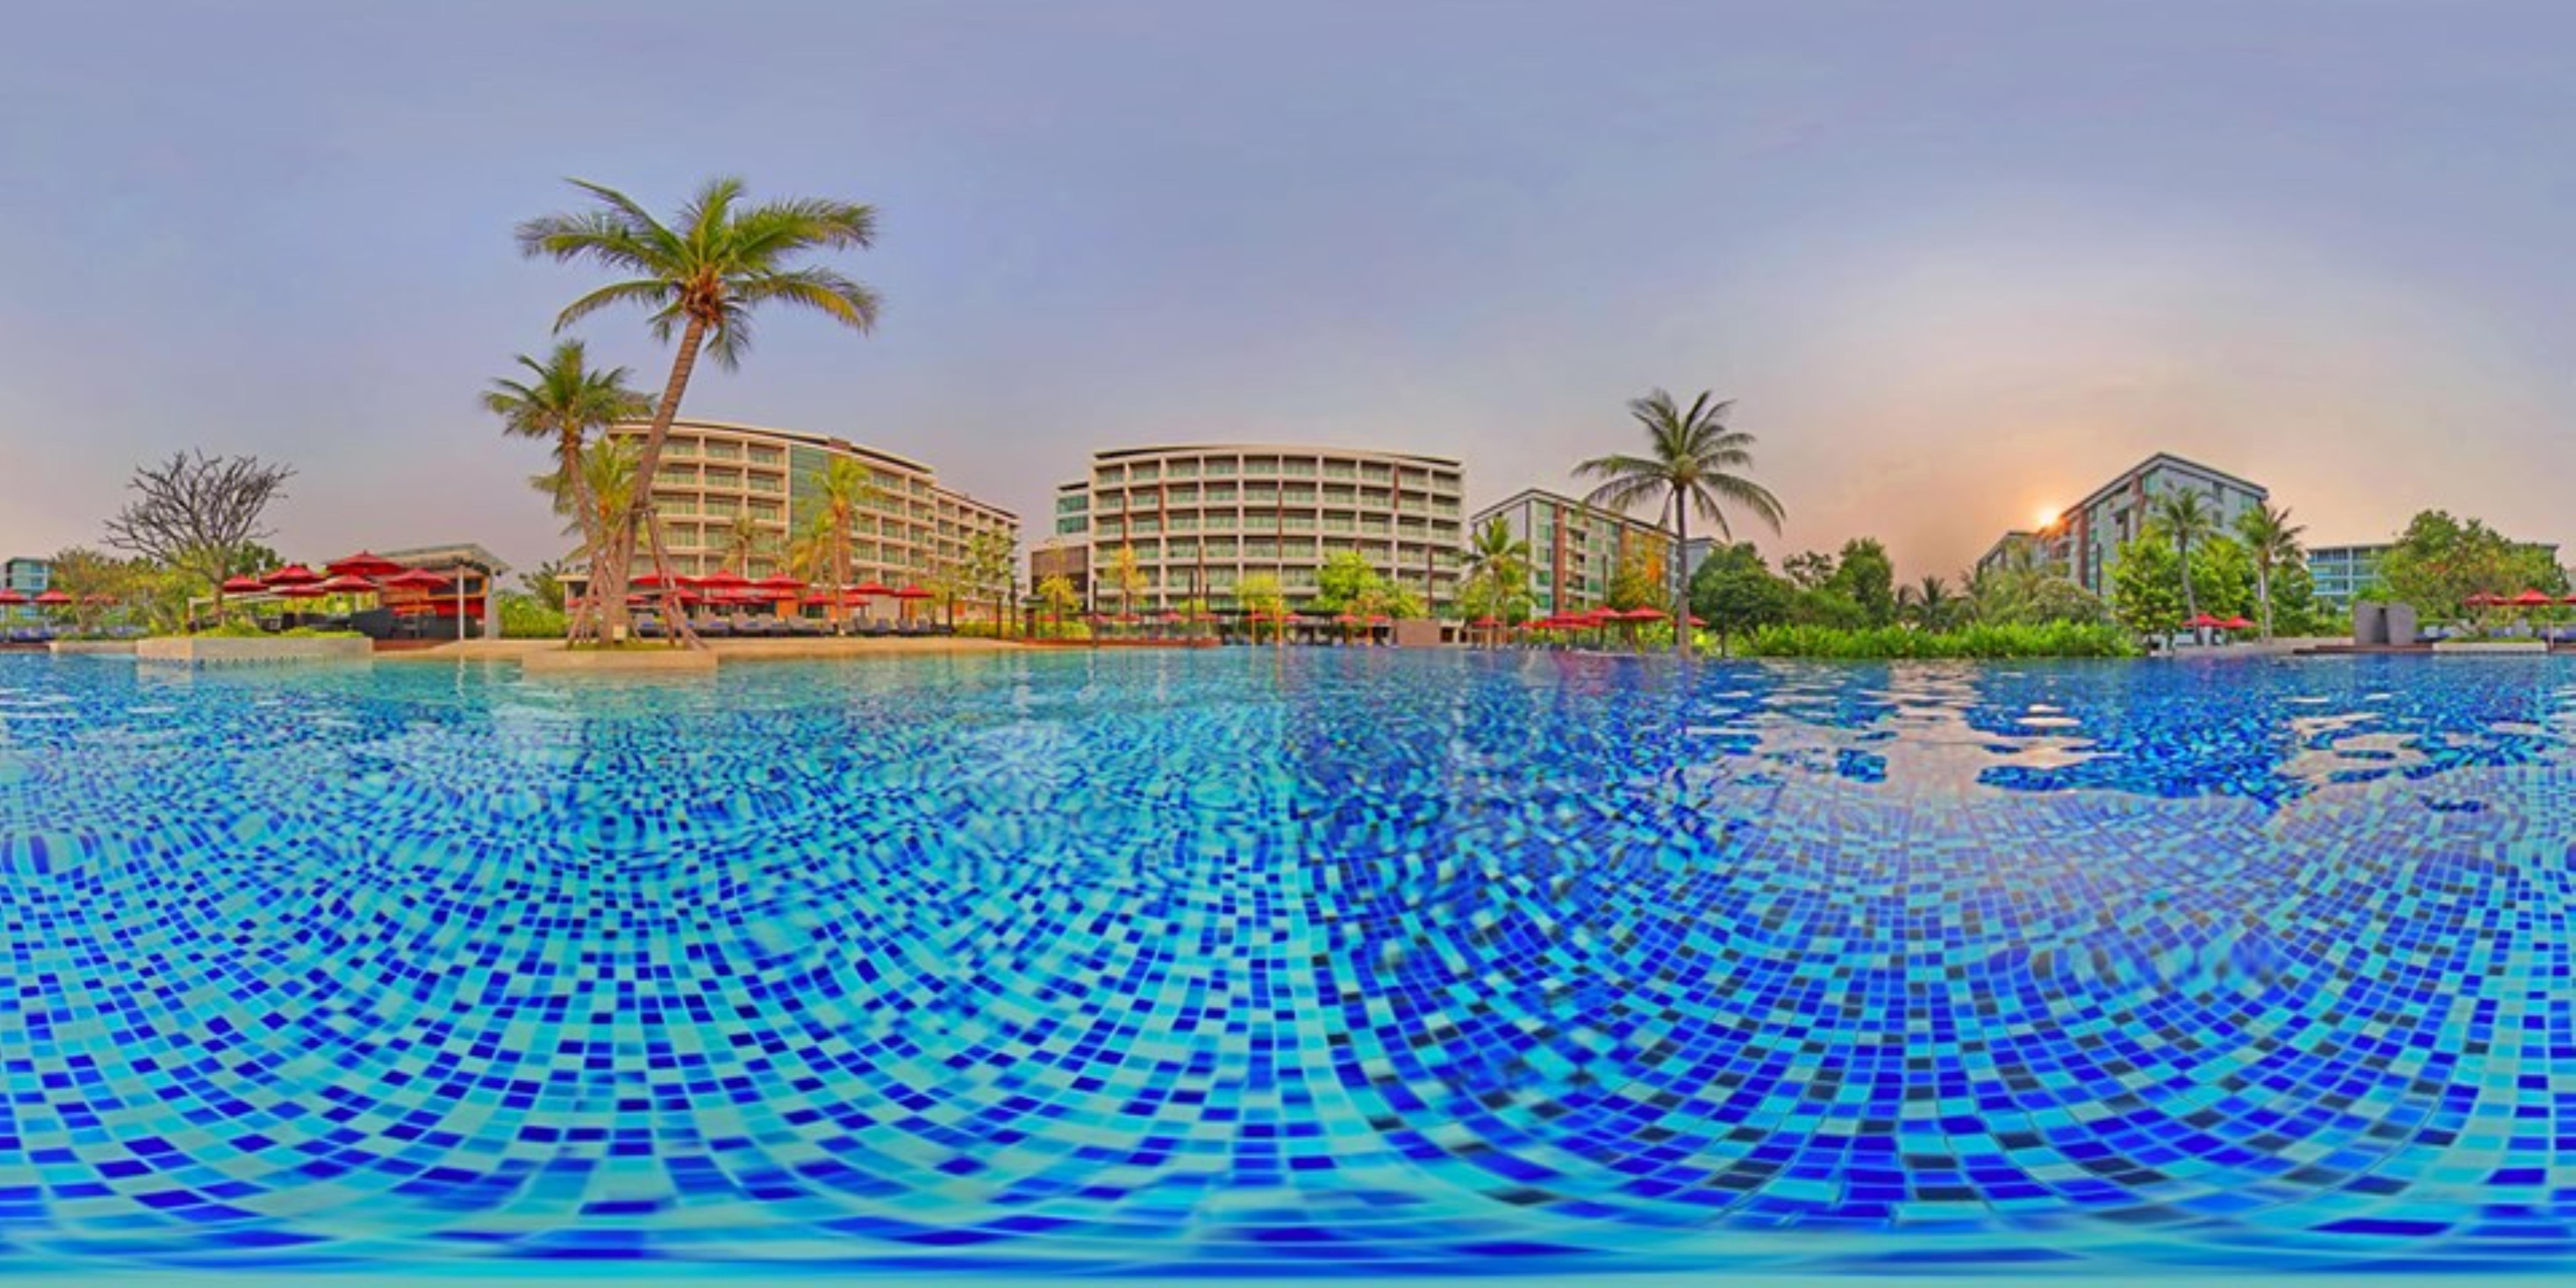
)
(1262, 962)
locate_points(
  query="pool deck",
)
(552, 656)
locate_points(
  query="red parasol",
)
(867, 588)
(363, 564)
(2531, 599)
(912, 592)
(51, 599)
(291, 575)
(345, 584)
(415, 579)
(243, 585)
(2236, 624)
(12, 597)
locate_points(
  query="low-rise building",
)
(1199, 518)
(1575, 547)
(2084, 541)
(28, 578)
(735, 497)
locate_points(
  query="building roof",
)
(806, 437)
(1290, 449)
(461, 554)
(1570, 503)
(2163, 458)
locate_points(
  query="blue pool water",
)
(1337, 961)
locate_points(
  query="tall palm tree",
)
(2274, 542)
(844, 491)
(1691, 463)
(564, 400)
(2185, 517)
(702, 276)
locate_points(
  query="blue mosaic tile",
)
(1318, 962)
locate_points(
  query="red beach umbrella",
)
(51, 599)
(291, 575)
(782, 583)
(2531, 599)
(12, 597)
(243, 585)
(346, 584)
(2204, 622)
(724, 579)
(868, 588)
(2236, 624)
(912, 592)
(653, 581)
(363, 564)
(415, 579)
(1643, 615)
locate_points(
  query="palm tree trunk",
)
(2190, 597)
(2263, 588)
(639, 507)
(585, 612)
(1681, 598)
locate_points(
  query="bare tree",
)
(196, 512)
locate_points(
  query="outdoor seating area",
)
(365, 593)
(37, 621)
(727, 605)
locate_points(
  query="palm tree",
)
(608, 486)
(1691, 464)
(701, 277)
(2274, 542)
(2185, 519)
(1500, 561)
(744, 543)
(843, 490)
(563, 401)
(1928, 602)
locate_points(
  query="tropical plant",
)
(1692, 463)
(2147, 585)
(2183, 516)
(2055, 639)
(546, 580)
(1259, 593)
(702, 278)
(2438, 562)
(844, 490)
(1056, 592)
(608, 482)
(989, 560)
(1125, 576)
(747, 546)
(1734, 591)
(562, 402)
(1865, 575)
(2273, 540)
(1928, 604)
(1636, 581)
(1808, 569)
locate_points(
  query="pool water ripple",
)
(1251, 962)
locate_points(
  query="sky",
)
(1956, 264)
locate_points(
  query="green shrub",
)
(525, 617)
(2055, 639)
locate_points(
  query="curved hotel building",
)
(714, 474)
(1201, 517)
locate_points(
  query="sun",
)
(2046, 515)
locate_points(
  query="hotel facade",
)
(1576, 548)
(2083, 542)
(714, 475)
(1202, 517)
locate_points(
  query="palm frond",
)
(821, 290)
(642, 290)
